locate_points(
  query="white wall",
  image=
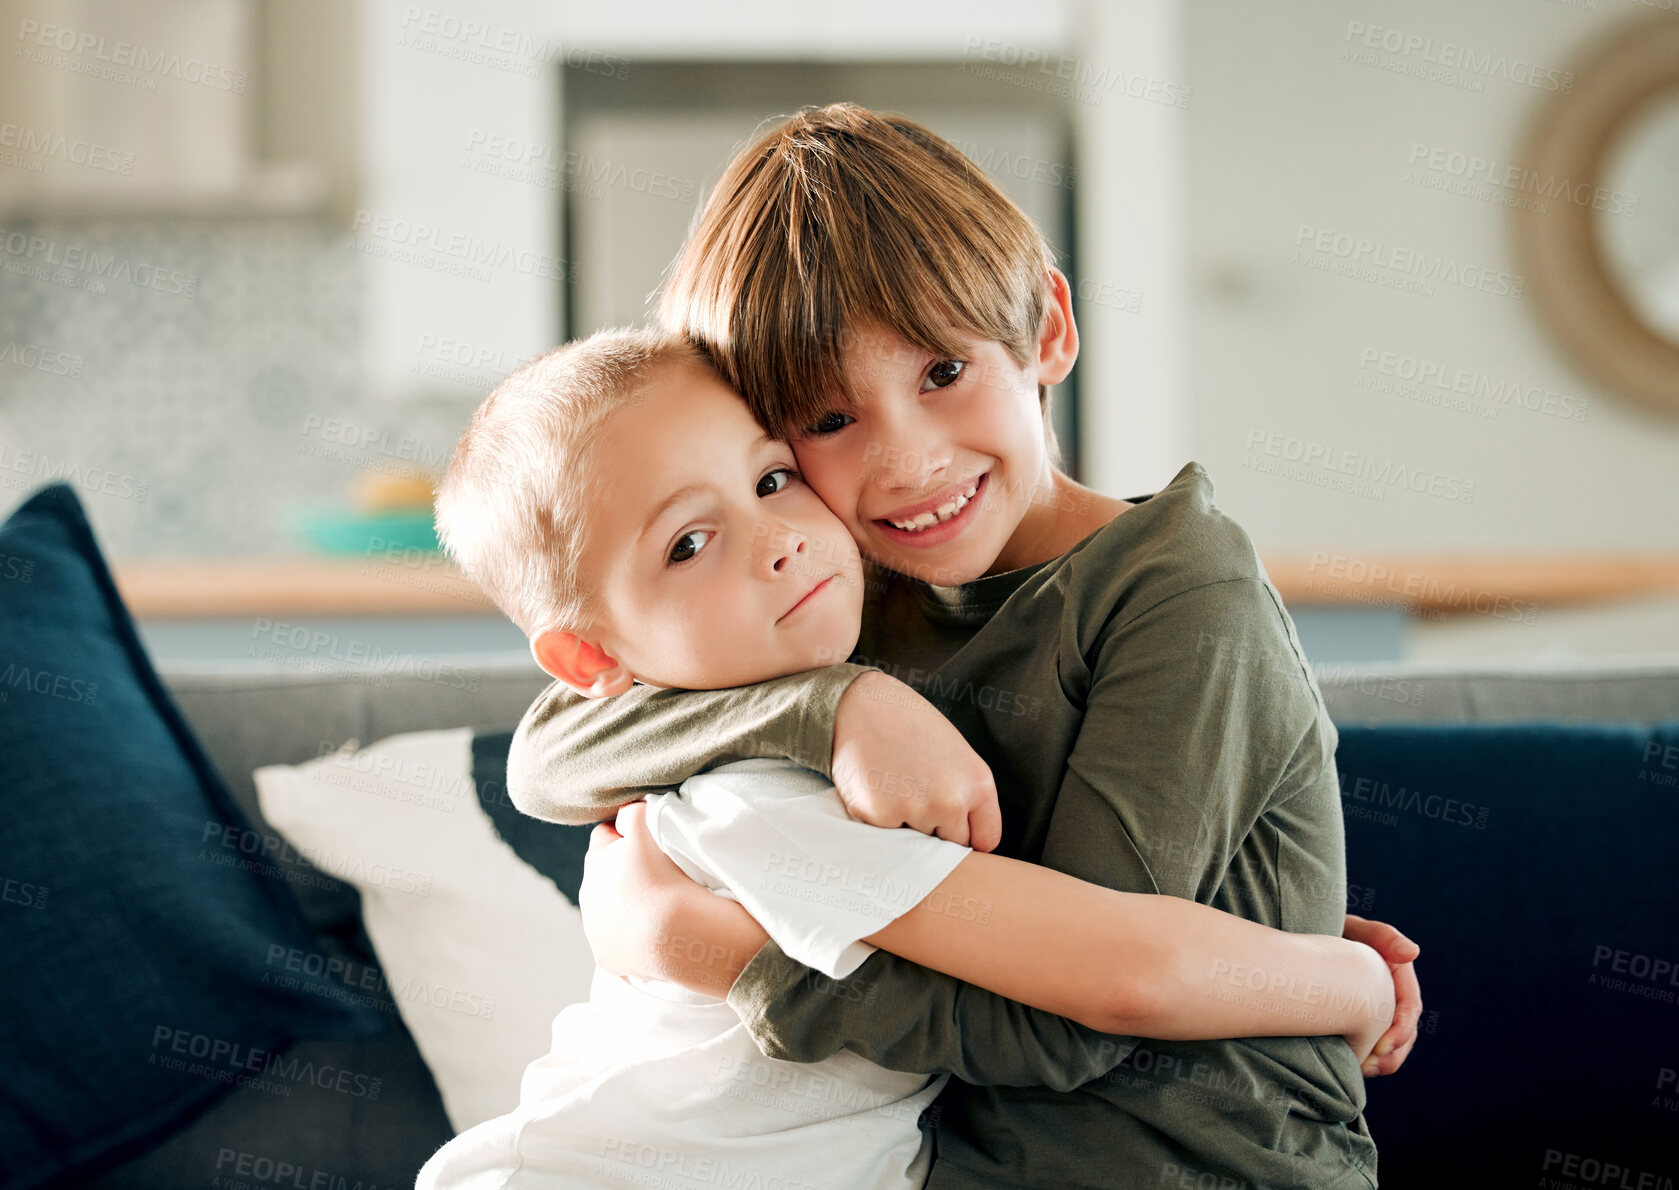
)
(1132, 315)
(460, 268)
(813, 29)
(1283, 132)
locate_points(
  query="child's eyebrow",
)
(680, 494)
(694, 489)
(769, 443)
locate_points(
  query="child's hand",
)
(1400, 954)
(644, 917)
(629, 886)
(898, 762)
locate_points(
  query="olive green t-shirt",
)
(1153, 727)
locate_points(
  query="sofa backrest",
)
(1582, 692)
(248, 715)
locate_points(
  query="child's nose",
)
(912, 479)
(906, 463)
(786, 545)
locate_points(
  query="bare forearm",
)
(1225, 976)
(1134, 964)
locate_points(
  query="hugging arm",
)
(1137, 963)
(903, 1016)
(576, 760)
(993, 932)
(568, 748)
(645, 917)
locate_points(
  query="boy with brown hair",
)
(881, 304)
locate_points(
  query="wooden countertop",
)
(189, 588)
(1451, 583)
(1470, 583)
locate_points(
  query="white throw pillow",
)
(479, 949)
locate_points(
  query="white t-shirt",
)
(649, 1084)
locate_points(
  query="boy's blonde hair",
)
(839, 217)
(513, 507)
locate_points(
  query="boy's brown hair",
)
(513, 507)
(841, 217)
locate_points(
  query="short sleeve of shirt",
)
(776, 838)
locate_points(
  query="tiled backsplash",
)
(197, 381)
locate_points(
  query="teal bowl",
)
(362, 534)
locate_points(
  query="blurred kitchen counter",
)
(426, 584)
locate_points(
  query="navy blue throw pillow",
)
(1534, 865)
(154, 958)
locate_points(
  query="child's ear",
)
(1058, 337)
(581, 664)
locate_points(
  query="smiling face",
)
(941, 472)
(716, 564)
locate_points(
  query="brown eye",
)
(768, 486)
(687, 546)
(830, 423)
(945, 373)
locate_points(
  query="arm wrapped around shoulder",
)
(576, 760)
